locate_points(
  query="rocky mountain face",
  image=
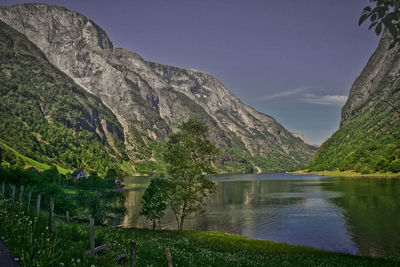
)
(369, 133)
(376, 80)
(47, 117)
(149, 99)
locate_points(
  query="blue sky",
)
(293, 60)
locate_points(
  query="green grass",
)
(198, 248)
(28, 162)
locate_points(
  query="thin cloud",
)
(285, 93)
(337, 100)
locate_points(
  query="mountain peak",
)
(61, 23)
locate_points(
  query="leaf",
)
(372, 25)
(367, 9)
(362, 18)
(378, 28)
(373, 17)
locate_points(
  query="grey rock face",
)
(149, 99)
(382, 68)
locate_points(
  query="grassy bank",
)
(349, 173)
(31, 242)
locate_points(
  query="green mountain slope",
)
(368, 139)
(45, 116)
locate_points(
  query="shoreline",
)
(347, 174)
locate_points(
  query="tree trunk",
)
(154, 224)
(181, 223)
(183, 215)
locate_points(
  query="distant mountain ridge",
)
(149, 99)
(368, 139)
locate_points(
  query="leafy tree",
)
(154, 200)
(189, 157)
(384, 13)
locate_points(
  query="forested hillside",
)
(44, 115)
(368, 139)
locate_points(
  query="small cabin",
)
(77, 174)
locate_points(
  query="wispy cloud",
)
(285, 93)
(337, 100)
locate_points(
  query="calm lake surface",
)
(353, 215)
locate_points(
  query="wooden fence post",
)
(133, 254)
(21, 194)
(51, 212)
(91, 237)
(67, 215)
(38, 205)
(13, 192)
(29, 201)
(2, 189)
(169, 259)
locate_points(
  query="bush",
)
(395, 166)
(365, 170)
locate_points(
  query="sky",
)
(293, 60)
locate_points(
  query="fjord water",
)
(353, 215)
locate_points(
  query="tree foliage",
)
(384, 13)
(189, 157)
(154, 200)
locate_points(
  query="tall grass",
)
(29, 238)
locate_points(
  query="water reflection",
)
(341, 214)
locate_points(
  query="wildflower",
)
(47, 228)
(47, 239)
(92, 265)
(78, 261)
(16, 259)
(62, 263)
(73, 260)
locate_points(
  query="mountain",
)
(150, 100)
(368, 139)
(45, 116)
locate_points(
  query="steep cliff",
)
(150, 100)
(44, 115)
(368, 139)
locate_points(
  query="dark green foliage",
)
(154, 200)
(94, 195)
(45, 116)
(93, 181)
